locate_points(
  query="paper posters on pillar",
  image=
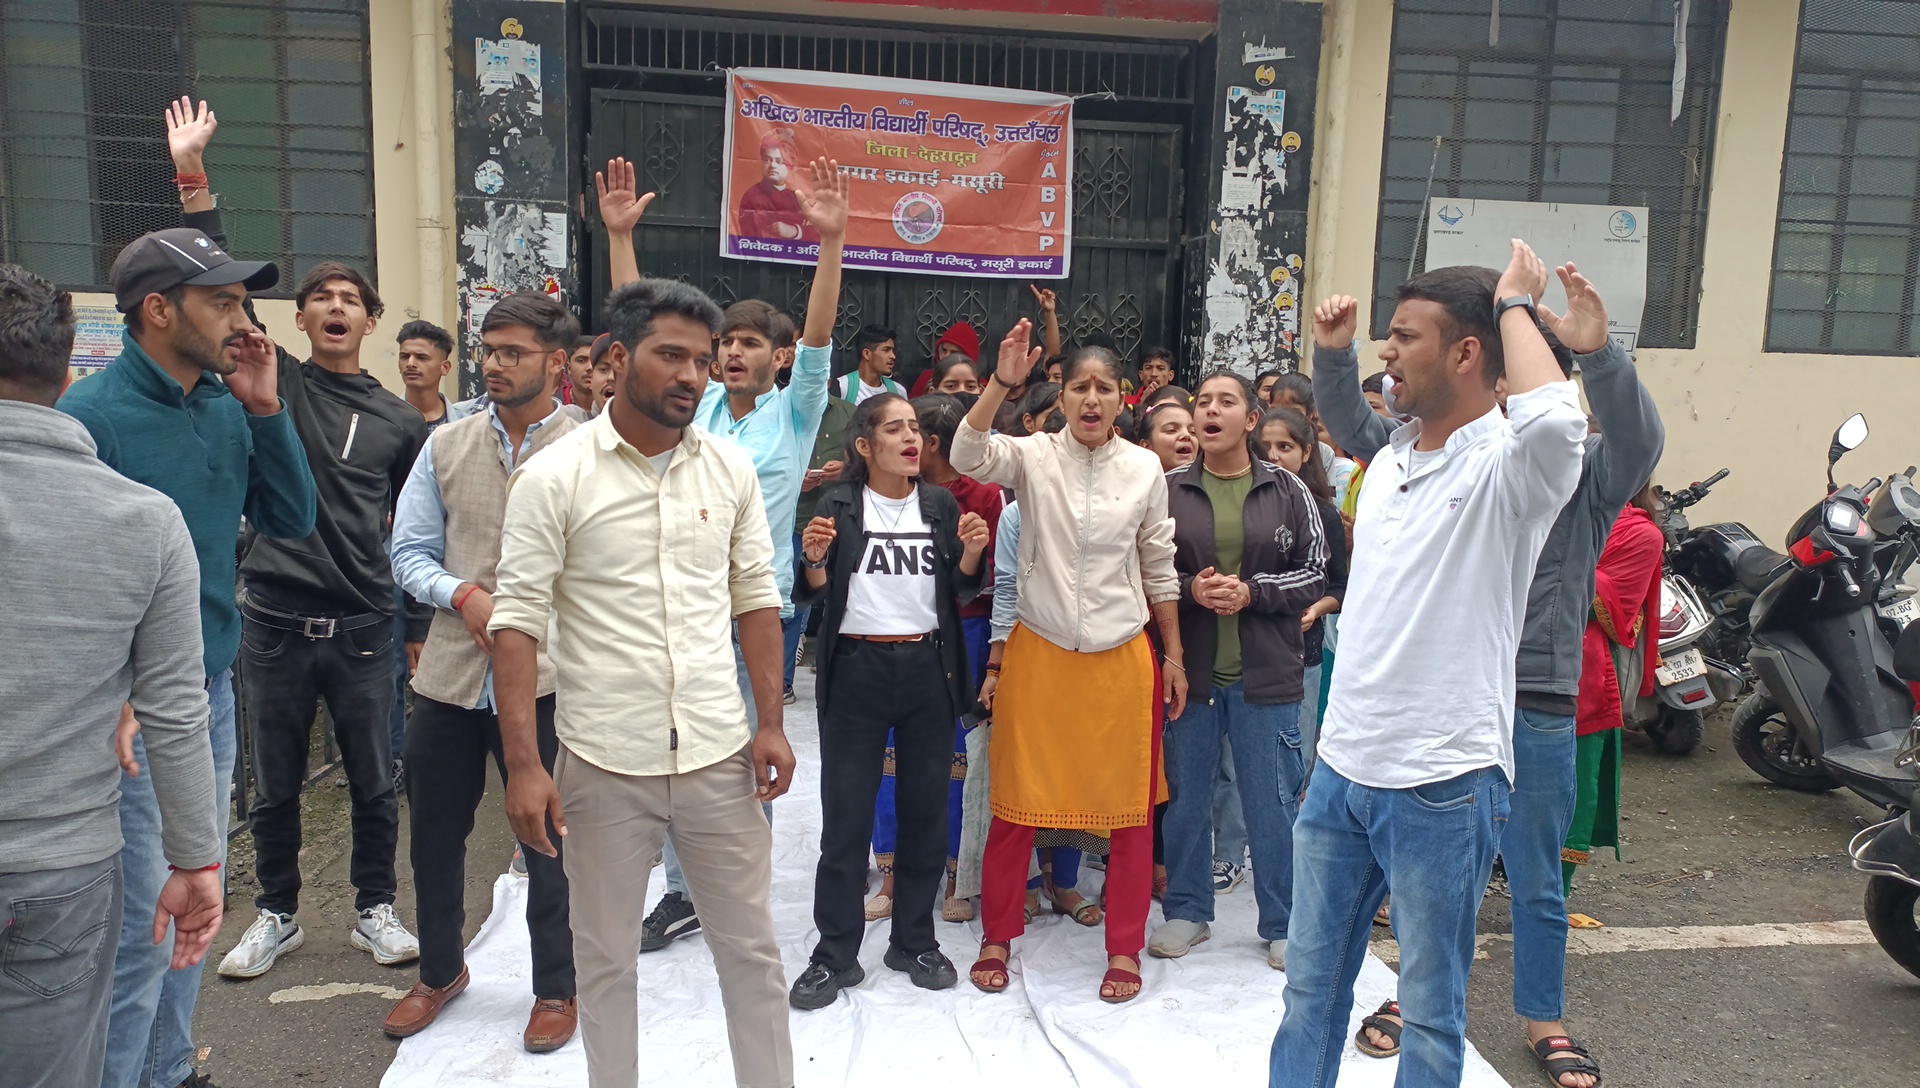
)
(96, 339)
(1607, 242)
(946, 179)
(502, 64)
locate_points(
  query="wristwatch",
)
(1501, 307)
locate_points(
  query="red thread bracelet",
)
(204, 869)
(462, 598)
(195, 181)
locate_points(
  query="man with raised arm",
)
(1416, 751)
(1618, 463)
(775, 426)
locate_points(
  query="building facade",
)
(1235, 161)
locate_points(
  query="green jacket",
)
(214, 459)
(830, 444)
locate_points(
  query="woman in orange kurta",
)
(1079, 674)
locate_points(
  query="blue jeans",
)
(676, 880)
(1543, 797)
(1310, 705)
(794, 629)
(150, 1037)
(1435, 842)
(1266, 758)
(1229, 819)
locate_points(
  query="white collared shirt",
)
(1442, 560)
(643, 574)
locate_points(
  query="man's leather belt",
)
(922, 637)
(315, 627)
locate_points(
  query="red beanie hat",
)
(961, 336)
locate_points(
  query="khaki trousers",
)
(616, 825)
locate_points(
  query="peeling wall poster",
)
(503, 65)
(519, 246)
(96, 339)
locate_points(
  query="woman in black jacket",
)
(1251, 554)
(889, 560)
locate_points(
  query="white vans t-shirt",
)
(892, 588)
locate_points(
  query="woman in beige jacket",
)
(1080, 677)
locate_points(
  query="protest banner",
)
(946, 179)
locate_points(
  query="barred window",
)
(1573, 105)
(84, 168)
(1848, 248)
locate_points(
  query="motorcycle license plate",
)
(1684, 666)
(1903, 611)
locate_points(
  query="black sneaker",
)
(400, 777)
(198, 1080)
(930, 970)
(818, 986)
(789, 698)
(673, 918)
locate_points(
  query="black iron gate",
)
(665, 114)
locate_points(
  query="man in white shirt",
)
(877, 350)
(1416, 749)
(644, 542)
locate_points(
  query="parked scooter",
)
(1692, 675)
(1835, 666)
(1728, 565)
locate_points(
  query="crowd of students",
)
(1064, 613)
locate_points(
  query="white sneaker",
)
(265, 940)
(1227, 876)
(379, 931)
(1277, 954)
(1177, 937)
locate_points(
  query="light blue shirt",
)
(778, 434)
(1006, 572)
(420, 531)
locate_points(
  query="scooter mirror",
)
(1852, 434)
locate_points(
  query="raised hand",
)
(825, 204)
(816, 539)
(1049, 302)
(973, 533)
(1584, 328)
(188, 133)
(1017, 356)
(255, 381)
(1335, 321)
(621, 203)
(1526, 274)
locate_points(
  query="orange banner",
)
(946, 179)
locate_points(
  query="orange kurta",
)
(1075, 742)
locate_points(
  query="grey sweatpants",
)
(56, 991)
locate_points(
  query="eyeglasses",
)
(508, 358)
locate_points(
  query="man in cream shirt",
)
(645, 541)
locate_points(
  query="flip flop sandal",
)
(1384, 916)
(1379, 1022)
(1118, 977)
(1559, 1067)
(990, 965)
(1087, 912)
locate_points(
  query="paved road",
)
(1709, 844)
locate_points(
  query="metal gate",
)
(1129, 148)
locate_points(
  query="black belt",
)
(315, 627)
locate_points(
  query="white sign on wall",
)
(1606, 242)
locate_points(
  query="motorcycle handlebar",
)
(1711, 480)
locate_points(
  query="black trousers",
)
(879, 686)
(447, 750)
(282, 674)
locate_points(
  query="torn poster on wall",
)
(519, 247)
(1252, 286)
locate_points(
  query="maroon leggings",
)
(1003, 886)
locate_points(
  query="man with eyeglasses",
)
(446, 544)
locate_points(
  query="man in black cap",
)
(192, 409)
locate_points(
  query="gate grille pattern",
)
(1572, 106)
(1127, 204)
(1847, 253)
(84, 167)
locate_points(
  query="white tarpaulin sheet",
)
(1607, 242)
(1206, 1019)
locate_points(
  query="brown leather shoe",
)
(551, 1026)
(421, 1007)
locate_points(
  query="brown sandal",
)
(1119, 976)
(1086, 912)
(1379, 1022)
(991, 965)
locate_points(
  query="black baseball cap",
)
(156, 263)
